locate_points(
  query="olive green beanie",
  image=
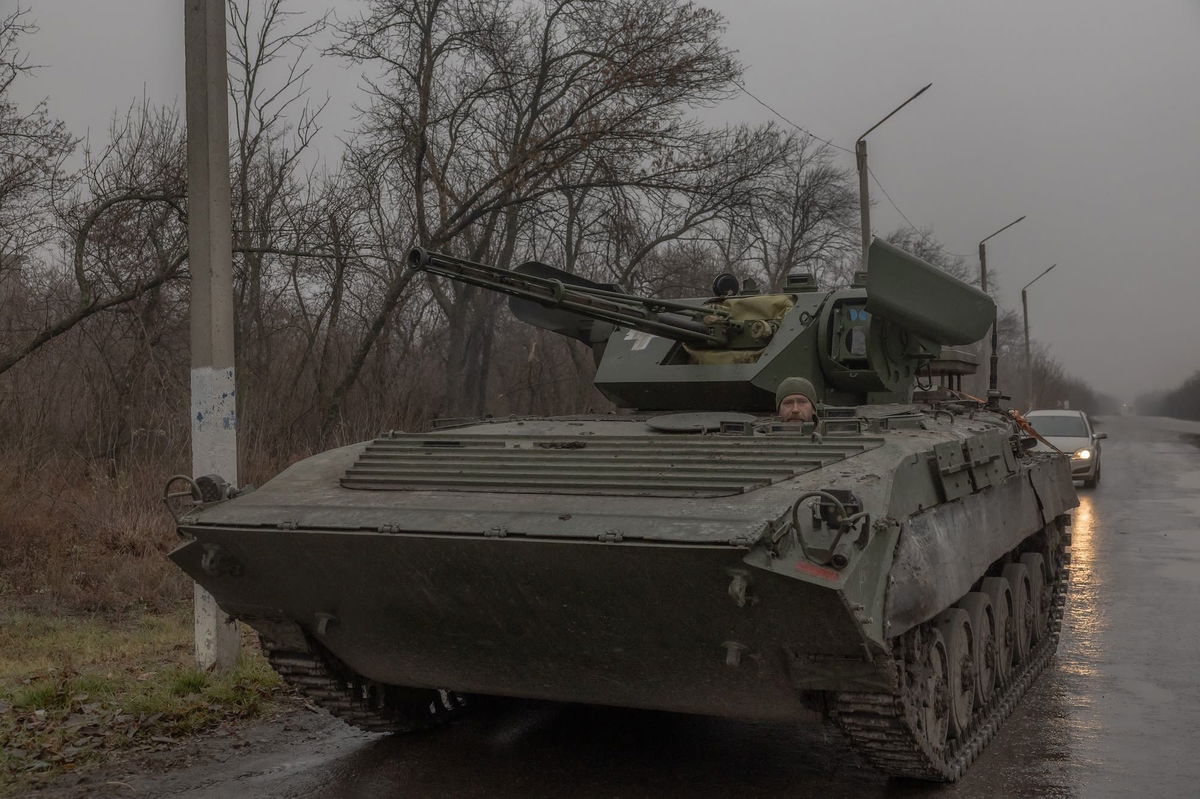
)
(795, 385)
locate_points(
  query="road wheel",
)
(978, 606)
(1039, 588)
(999, 592)
(954, 625)
(928, 666)
(1023, 609)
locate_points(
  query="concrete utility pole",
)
(993, 395)
(1029, 398)
(864, 188)
(210, 259)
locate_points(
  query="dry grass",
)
(80, 538)
(35, 643)
(95, 620)
(78, 535)
(76, 690)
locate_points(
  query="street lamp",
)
(1028, 356)
(864, 191)
(993, 395)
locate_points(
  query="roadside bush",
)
(78, 536)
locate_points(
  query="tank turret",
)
(859, 345)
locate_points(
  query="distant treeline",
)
(1182, 402)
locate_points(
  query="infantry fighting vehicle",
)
(899, 567)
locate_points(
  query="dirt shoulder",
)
(236, 757)
(84, 694)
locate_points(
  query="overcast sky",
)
(1083, 115)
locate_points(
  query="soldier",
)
(795, 400)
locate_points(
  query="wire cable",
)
(812, 135)
(916, 229)
(800, 128)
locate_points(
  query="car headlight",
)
(1082, 454)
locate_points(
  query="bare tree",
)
(478, 107)
(126, 225)
(803, 215)
(33, 149)
(370, 232)
(136, 183)
(274, 127)
(720, 182)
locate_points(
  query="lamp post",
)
(864, 190)
(993, 395)
(1028, 355)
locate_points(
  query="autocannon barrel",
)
(694, 324)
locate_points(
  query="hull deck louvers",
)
(703, 466)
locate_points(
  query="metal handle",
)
(173, 499)
(846, 523)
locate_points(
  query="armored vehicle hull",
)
(897, 570)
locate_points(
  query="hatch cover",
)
(696, 422)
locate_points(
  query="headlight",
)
(1082, 454)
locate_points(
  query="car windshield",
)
(1065, 426)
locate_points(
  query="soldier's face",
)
(796, 408)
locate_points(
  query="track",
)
(364, 704)
(882, 728)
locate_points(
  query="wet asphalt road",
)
(1117, 713)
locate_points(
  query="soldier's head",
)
(795, 400)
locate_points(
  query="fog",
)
(1083, 116)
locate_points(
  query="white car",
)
(1071, 432)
